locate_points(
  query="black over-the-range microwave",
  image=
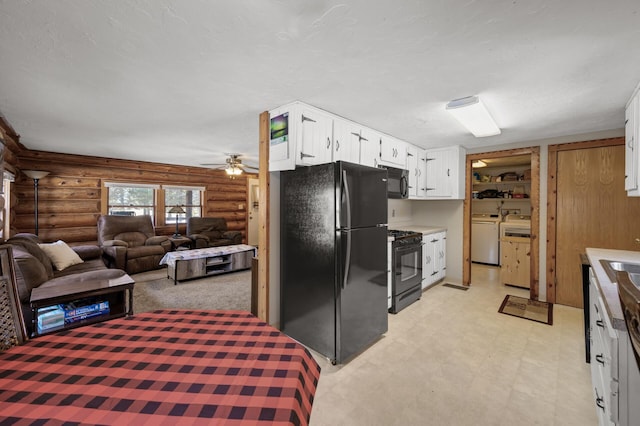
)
(397, 182)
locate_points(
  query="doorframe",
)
(534, 196)
(552, 201)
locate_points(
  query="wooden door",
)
(593, 210)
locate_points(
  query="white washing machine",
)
(485, 238)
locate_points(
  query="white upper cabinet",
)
(393, 152)
(417, 167)
(632, 154)
(299, 135)
(369, 147)
(315, 141)
(346, 140)
(445, 173)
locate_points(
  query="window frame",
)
(159, 208)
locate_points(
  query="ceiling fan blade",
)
(213, 164)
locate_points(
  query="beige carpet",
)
(153, 290)
(527, 309)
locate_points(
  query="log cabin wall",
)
(71, 198)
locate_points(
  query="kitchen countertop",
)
(608, 289)
(425, 230)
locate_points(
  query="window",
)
(131, 199)
(187, 197)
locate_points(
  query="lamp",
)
(473, 115)
(478, 163)
(36, 175)
(233, 170)
(177, 210)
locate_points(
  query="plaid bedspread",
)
(164, 367)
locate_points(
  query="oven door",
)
(407, 267)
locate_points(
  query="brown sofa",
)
(35, 269)
(211, 232)
(130, 243)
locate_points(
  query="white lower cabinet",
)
(434, 258)
(614, 372)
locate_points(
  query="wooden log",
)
(48, 193)
(75, 234)
(58, 206)
(57, 220)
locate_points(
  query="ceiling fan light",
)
(473, 115)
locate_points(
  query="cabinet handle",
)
(303, 155)
(600, 402)
(307, 119)
(409, 154)
(337, 145)
(355, 134)
(448, 170)
(600, 358)
(631, 143)
(328, 143)
(599, 323)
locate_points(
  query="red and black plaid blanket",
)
(166, 367)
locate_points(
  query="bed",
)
(162, 367)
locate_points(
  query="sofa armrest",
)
(88, 252)
(235, 236)
(157, 240)
(199, 240)
(119, 243)
(115, 256)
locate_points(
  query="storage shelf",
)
(509, 182)
(483, 200)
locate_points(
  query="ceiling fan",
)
(233, 165)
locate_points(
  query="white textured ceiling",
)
(183, 82)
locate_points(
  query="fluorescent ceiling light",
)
(478, 163)
(473, 115)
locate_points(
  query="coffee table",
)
(111, 288)
(187, 264)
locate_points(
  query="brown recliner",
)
(211, 232)
(130, 243)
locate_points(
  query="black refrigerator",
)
(333, 266)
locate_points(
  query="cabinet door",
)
(515, 262)
(314, 143)
(346, 141)
(442, 255)
(369, 148)
(393, 151)
(631, 144)
(421, 190)
(428, 250)
(437, 170)
(412, 167)
(445, 170)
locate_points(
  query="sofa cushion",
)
(61, 255)
(87, 265)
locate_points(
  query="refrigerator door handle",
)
(347, 197)
(347, 261)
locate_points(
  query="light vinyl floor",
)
(452, 359)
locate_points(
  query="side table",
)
(180, 243)
(110, 289)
